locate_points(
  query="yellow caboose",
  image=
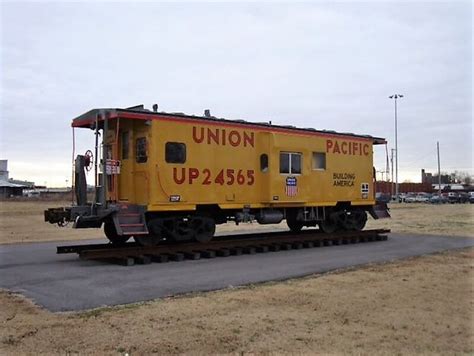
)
(174, 176)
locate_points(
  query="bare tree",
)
(456, 177)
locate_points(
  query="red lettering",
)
(344, 147)
(240, 177)
(220, 136)
(250, 176)
(329, 144)
(223, 137)
(230, 175)
(207, 178)
(355, 147)
(193, 174)
(234, 138)
(214, 136)
(175, 175)
(347, 147)
(233, 176)
(366, 149)
(220, 178)
(248, 139)
(195, 136)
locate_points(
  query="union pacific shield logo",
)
(291, 188)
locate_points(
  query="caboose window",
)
(141, 156)
(295, 163)
(264, 162)
(285, 163)
(319, 161)
(175, 152)
(125, 144)
(290, 163)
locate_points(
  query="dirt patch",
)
(22, 221)
(421, 305)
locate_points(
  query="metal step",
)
(136, 227)
(130, 220)
(133, 233)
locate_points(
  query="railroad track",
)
(221, 246)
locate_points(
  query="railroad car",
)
(170, 176)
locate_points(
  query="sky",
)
(318, 64)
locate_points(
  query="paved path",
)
(64, 283)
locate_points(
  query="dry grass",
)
(444, 219)
(422, 305)
(22, 221)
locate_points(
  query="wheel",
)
(328, 226)
(155, 233)
(147, 240)
(292, 220)
(204, 229)
(353, 220)
(295, 226)
(111, 233)
(361, 220)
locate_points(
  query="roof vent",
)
(207, 113)
(155, 107)
(137, 108)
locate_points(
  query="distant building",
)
(22, 182)
(389, 187)
(3, 170)
(429, 178)
(10, 187)
(453, 187)
(426, 177)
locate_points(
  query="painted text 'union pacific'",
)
(220, 136)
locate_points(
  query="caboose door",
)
(264, 177)
(140, 179)
(111, 168)
(287, 169)
(126, 163)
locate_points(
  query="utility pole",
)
(396, 96)
(391, 162)
(439, 171)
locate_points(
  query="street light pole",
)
(396, 96)
(439, 172)
(391, 181)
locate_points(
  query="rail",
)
(223, 246)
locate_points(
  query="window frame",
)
(125, 149)
(141, 159)
(181, 144)
(313, 161)
(290, 165)
(264, 159)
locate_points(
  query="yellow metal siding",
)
(235, 148)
